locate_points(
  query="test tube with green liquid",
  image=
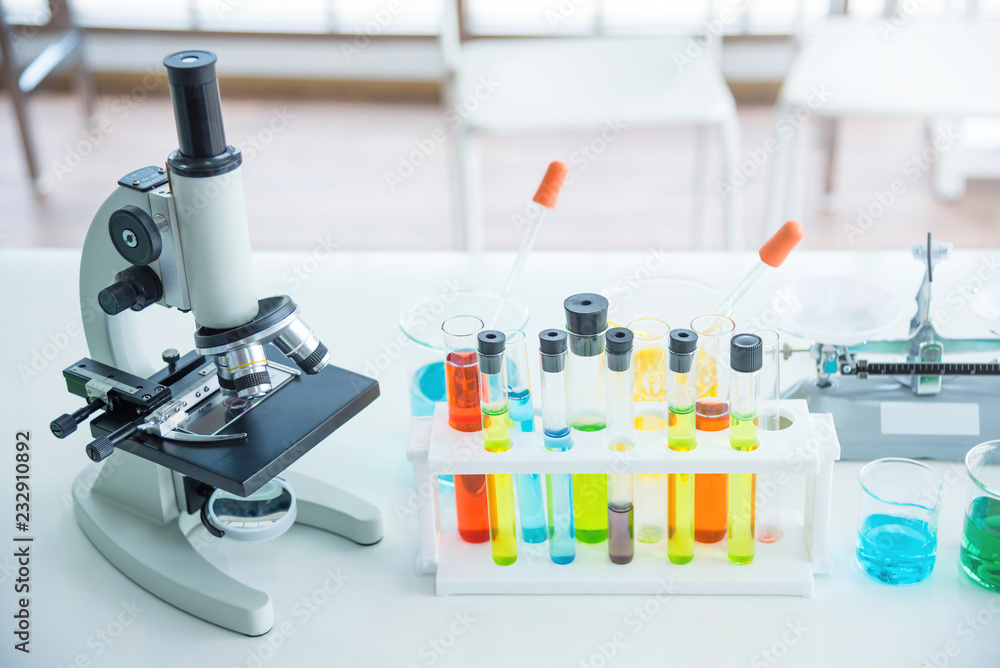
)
(746, 359)
(682, 390)
(586, 322)
(496, 438)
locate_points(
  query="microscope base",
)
(144, 540)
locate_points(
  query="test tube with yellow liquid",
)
(586, 322)
(649, 360)
(746, 359)
(682, 388)
(496, 438)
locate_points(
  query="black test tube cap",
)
(586, 313)
(683, 343)
(194, 89)
(618, 342)
(746, 353)
(552, 344)
(491, 347)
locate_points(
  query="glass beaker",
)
(981, 534)
(897, 522)
(711, 493)
(650, 362)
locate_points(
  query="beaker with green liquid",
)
(981, 536)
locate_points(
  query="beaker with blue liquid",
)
(897, 522)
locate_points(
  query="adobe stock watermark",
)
(970, 628)
(302, 270)
(635, 620)
(912, 169)
(454, 117)
(426, 315)
(118, 111)
(380, 20)
(714, 28)
(785, 127)
(302, 611)
(903, 12)
(101, 640)
(777, 650)
(435, 648)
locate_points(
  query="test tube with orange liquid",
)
(462, 387)
(712, 414)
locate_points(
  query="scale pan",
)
(836, 310)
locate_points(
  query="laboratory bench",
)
(337, 603)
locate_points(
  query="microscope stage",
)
(287, 424)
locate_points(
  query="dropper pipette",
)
(546, 196)
(772, 254)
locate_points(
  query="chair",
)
(65, 50)
(580, 84)
(941, 71)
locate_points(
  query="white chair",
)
(582, 84)
(941, 71)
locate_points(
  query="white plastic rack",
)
(807, 447)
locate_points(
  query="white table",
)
(385, 615)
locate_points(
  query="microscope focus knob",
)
(135, 235)
(136, 288)
(100, 449)
(63, 426)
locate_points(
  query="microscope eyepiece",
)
(194, 89)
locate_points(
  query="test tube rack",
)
(807, 447)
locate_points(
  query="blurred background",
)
(427, 124)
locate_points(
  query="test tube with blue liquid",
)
(531, 505)
(496, 438)
(557, 438)
(620, 438)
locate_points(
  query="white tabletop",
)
(383, 614)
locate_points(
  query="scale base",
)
(129, 512)
(879, 417)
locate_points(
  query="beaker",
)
(897, 522)
(981, 535)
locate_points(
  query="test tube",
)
(496, 438)
(770, 486)
(620, 430)
(682, 390)
(586, 322)
(650, 364)
(744, 396)
(556, 436)
(711, 414)
(531, 505)
(462, 390)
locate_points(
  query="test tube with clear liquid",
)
(531, 504)
(586, 322)
(650, 364)
(682, 386)
(770, 485)
(711, 414)
(556, 436)
(744, 395)
(496, 438)
(620, 438)
(462, 391)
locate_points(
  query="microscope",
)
(200, 437)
